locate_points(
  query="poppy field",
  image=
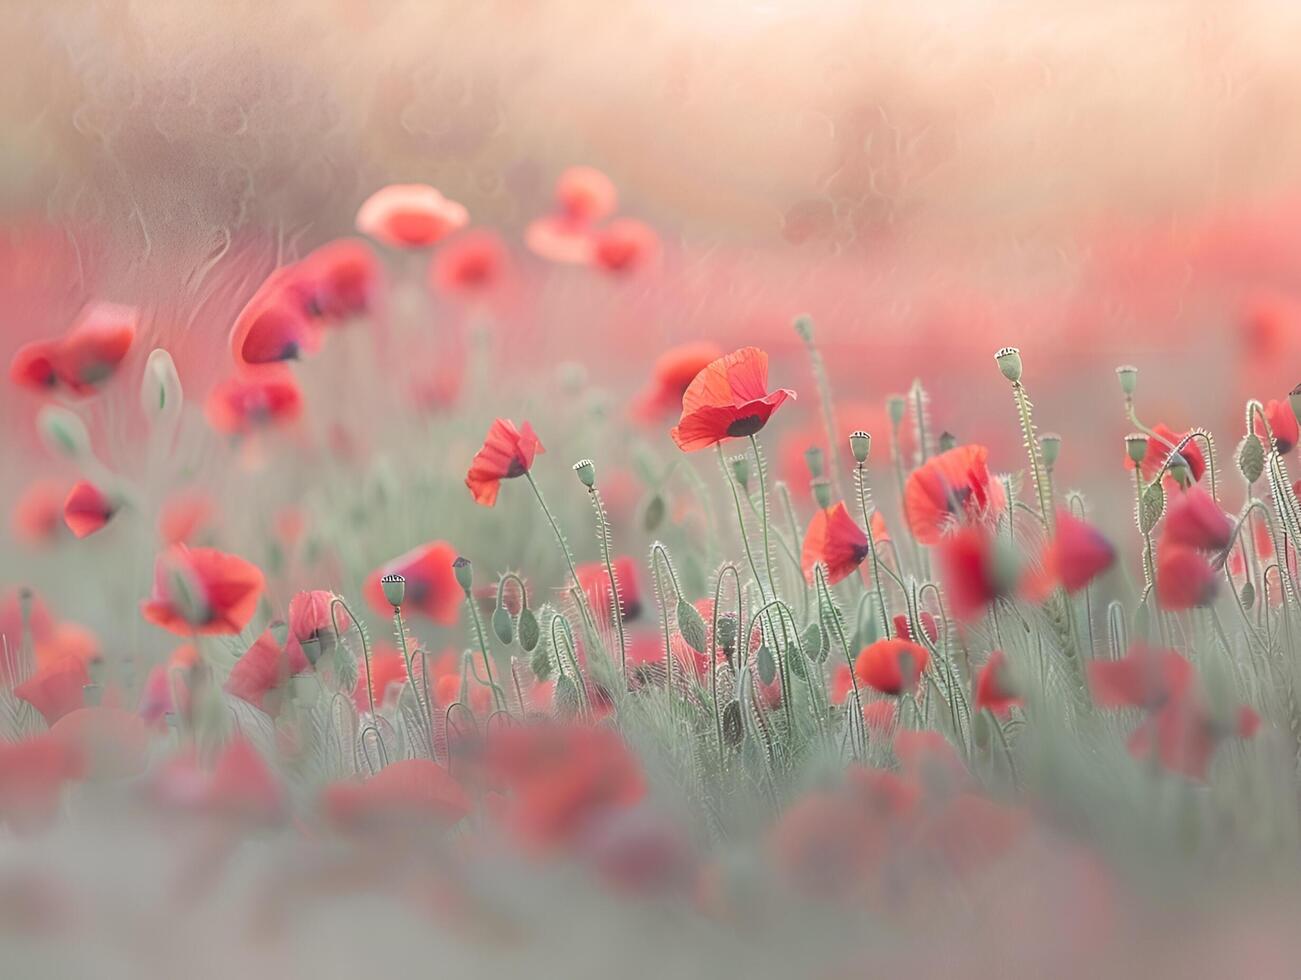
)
(807, 510)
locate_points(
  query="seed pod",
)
(394, 587)
(860, 445)
(815, 642)
(503, 625)
(529, 632)
(1248, 595)
(464, 573)
(766, 664)
(1009, 362)
(586, 471)
(1251, 458)
(1127, 375)
(733, 728)
(692, 626)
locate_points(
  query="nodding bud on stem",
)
(804, 327)
(1050, 443)
(1009, 362)
(464, 573)
(1136, 446)
(1180, 470)
(64, 432)
(947, 441)
(822, 493)
(1127, 375)
(896, 406)
(586, 471)
(813, 459)
(160, 387)
(1294, 397)
(395, 589)
(741, 467)
(860, 444)
(727, 631)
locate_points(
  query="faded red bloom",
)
(469, 265)
(728, 399)
(673, 372)
(953, 487)
(240, 787)
(85, 357)
(584, 196)
(243, 404)
(1183, 735)
(975, 572)
(184, 516)
(1159, 449)
(1077, 554)
(111, 743)
(1184, 578)
(431, 589)
(929, 757)
(32, 775)
(87, 509)
(1146, 677)
(994, 688)
(507, 453)
(166, 690)
(623, 246)
(202, 590)
(892, 666)
(410, 216)
(37, 517)
(56, 688)
(341, 280)
(881, 717)
(412, 792)
(904, 630)
(1282, 423)
(1195, 521)
(835, 541)
(595, 582)
(825, 847)
(260, 675)
(387, 671)
(274, 325)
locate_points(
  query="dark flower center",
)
(746, 426)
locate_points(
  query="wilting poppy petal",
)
(260, 674)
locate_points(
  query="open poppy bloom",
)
(37, 517)
(994, 687)
(56, 688)
(1077, 554)
(1195, 521)
(469, 265)
(892, 666)
(410, 216)
(951, 488)
(202, 590)
(1146, 677)
(1184, 578)
(87, 509)
(341, 280)
(431, 586)
(261, 673)
(1160, 448)
(976, 569)
(312, 623)
(507, 453)
(85, 357)
(1282, 423)
(728, 399)
(673, 372)
(623, 246)
(835, 541)
(595, 582)
(244, 404)
(411, 791)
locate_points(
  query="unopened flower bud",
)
(464, 574)
(804, 327)
(860, 444)
(1009, 362)
(813, 460)
(822, 492)
(727, 631)
(1294, 396)
(741, 467)
(1051, 445)
(1136, 446)
(1127, 374)
(395, 589)
(586, 471)
(64, 432)
(947, 441)
(897, 408)
(1180, 470)
(160, 387)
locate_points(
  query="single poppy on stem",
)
(202, 590)
(88, 509)
(952, 488)
(431, 588)
(892, 666)
(728, 399)
(410, 216)
(834, 540)
(507, 453)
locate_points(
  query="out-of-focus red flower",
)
(1194, 520)
(892, 666)
(1146, 677)
(33, 772)
(994, 687)
(673, 372)
(387, 670)
(310, 618)
(470, 265)
(640, 852)
(561, 778)
(166, 689)
(507, 453)
(728, 399)
(834, 540)
(410, 216)
(584, 196)
(112, 743)
(184, 515)
(953, 487)
(904, 630)
(342, 279)
(930, 758)
(202, 590)
(1184, 578)
(974, 570)
(56, 688)
(87, 509)
(1282, 423)
(413, 792)
(595, 582)
(85, 357)
(1077, 554)
(623, 246)
(881, 717)
(37, 517)
(1159, 449)
(243, 404)
(431, 586)
(240, 788)
(273, 326)
(825, 847)
(261, 673)
(1183, 735)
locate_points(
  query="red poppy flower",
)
(1183, 736)
(411, 791)
(595, 582)
(623, 246)
(728, 399)
(953, 487)
(342, 280)
(202, 590)
(32, 776)
(56, 688)
(387, 671)
(835, 541)
(881, 717)
(431, 586)
(240, 787)
(37, 516)
(507, 453)
(470, 265)
(1146, 677)
(825, 847)
(274, 325)
(260, 675)
(1195, 521)
(410, 216)
(1282, 423)
(165, 690)
(892, 666)
(975, 571)
(674, 371)
(584, 196)
(310, 619)
(904, 630)
(994, 688)
(87, 509)
(1077, 554)
(85, 357)
(243, 404)
(1159, 449)
(1184, 578)
(930, 758)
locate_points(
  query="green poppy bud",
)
(860, 444)
(1009, 362)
